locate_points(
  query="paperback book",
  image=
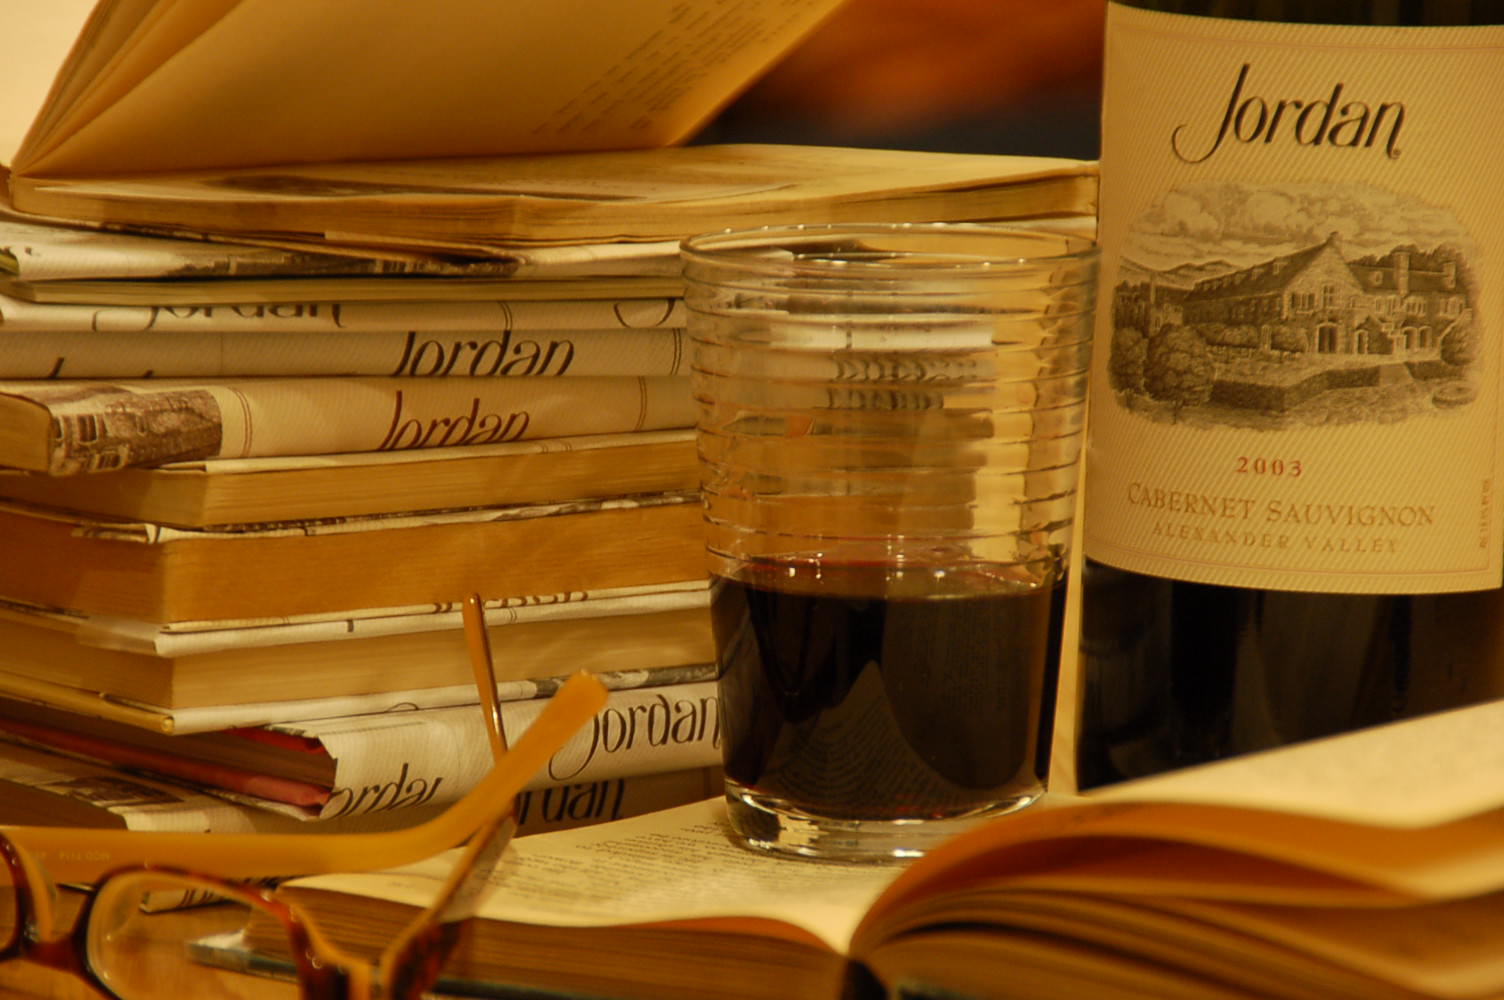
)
(417, 655)
(228, 715)
(159, 574)
(225, 491)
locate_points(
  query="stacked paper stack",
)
(284, 629)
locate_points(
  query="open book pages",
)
(1326, 824)
(295, 83)
(498, 128)
(1441, 768)
(669, 866)
(1289, 895)
(477, 105)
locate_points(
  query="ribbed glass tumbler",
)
(890, 427)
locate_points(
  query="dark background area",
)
(985, 76)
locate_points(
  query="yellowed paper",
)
(268, 81)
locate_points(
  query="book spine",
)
(96, 426)
(392, 353)
(402, 760)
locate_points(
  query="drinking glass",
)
(890, 424)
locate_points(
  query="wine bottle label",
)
(1296, 375)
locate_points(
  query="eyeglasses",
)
(126, 951)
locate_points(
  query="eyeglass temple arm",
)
(483, 669)
(411, 963)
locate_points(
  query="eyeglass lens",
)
(155, 935)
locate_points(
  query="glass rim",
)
(771, 250)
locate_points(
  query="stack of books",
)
(279, 391)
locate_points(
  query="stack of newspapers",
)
(300, 349)
(203, 582)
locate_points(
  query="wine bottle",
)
(1291, 521)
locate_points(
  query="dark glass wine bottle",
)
(1292, 523)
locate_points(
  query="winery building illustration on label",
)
(1276, 306)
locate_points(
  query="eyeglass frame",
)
(406, 967)
(36, 856)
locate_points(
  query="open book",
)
(1369, 865)
(140, 86)
(442, 123)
